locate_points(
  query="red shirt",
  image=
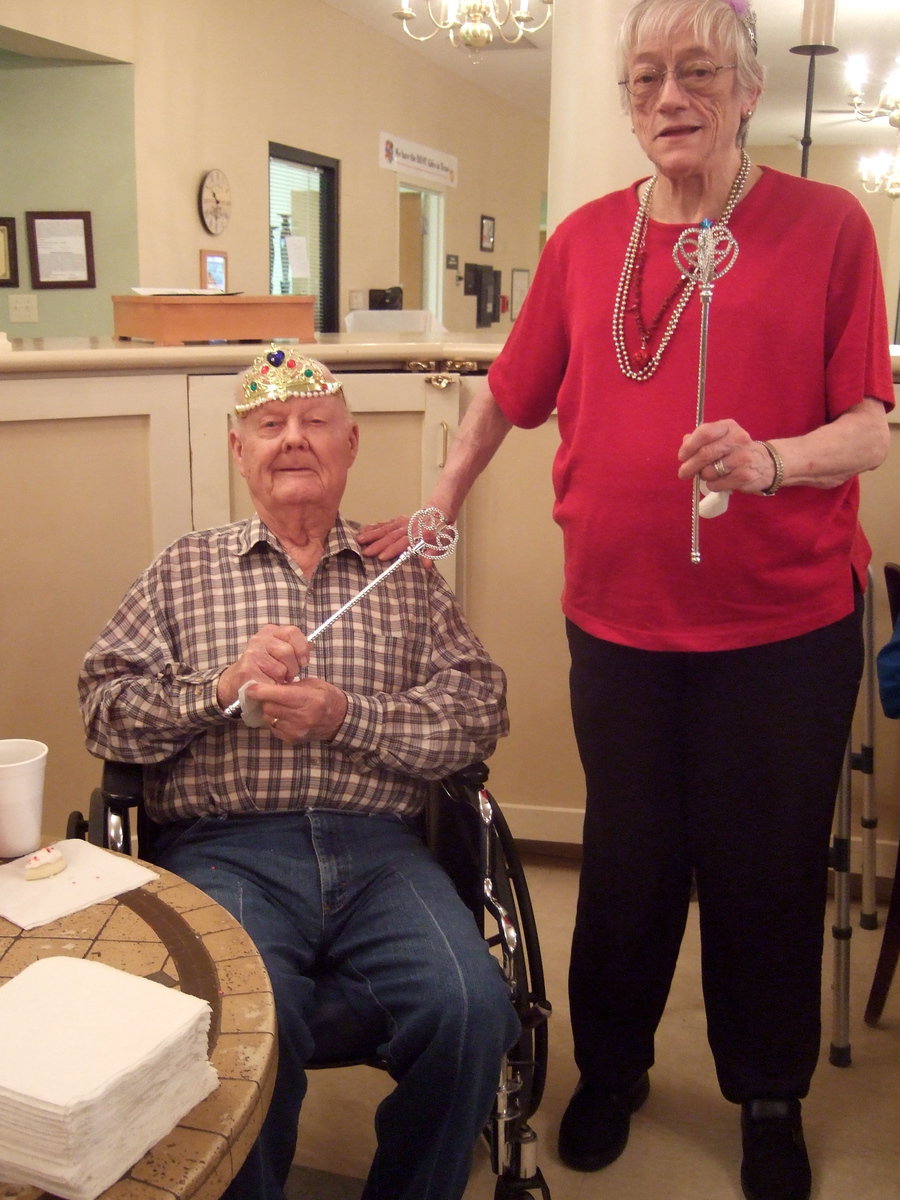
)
(797, 335)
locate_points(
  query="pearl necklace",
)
(646, 366)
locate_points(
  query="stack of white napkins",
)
(96, 1065)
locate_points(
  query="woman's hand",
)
(384, 539)
(856, 441)
(726, 458)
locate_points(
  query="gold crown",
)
(280, 374)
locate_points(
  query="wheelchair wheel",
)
(456, 835)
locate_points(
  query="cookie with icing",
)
(45, 862)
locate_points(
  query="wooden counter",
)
(174, 320)
(46, 357)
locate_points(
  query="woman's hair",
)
(710, 21)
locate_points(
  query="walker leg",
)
(839, 1055)
(864, 762)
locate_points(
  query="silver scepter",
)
(425, 523)
(704, 253)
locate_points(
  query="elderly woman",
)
(712, 694)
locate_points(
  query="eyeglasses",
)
(697, 76)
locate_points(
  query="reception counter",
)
(374, 351)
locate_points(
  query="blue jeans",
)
(364, 936)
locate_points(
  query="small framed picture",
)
(60, 249)
(214, 270)
(487, 233)
(9, 261)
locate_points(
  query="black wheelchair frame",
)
(468, 834)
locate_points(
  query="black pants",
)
(723, 766)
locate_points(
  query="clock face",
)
(215, 201)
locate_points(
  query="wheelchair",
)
(468, 834)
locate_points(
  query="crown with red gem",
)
(281, 374)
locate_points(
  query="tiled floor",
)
(685, 1141)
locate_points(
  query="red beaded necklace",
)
(641, 364)
(641, 357)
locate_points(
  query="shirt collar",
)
(340, 537)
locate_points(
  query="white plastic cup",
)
(22, 764)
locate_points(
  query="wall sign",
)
(409, 158)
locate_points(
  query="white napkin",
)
(251, 710)
(96, 1065)
(713, 504)
(90, 875)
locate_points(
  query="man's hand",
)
(307, 710)
(277, 653)
(385, 539)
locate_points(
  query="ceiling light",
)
(881, 173)
(878, 172)
(473, 23)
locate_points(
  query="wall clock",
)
(214, 201)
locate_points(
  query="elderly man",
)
(303, 827)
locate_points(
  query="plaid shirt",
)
(424, 698)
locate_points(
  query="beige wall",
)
(216, 80)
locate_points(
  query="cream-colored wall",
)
(217, 80)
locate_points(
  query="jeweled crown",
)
(747, 17)
(279, 375)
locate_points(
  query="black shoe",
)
(775, 1165)
(594, 1129)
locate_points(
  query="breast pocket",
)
(373, 648)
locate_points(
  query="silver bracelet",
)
(778, 464)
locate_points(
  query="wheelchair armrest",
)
(123, 782)
(472, 776)
(108, 822)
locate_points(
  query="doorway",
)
(421, 244)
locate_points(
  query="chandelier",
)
(473, 23)
(888, 103)
(881, 173)
(878, 172)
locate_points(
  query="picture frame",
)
(9, 260)
(214, 269)
(60, 249)
(488, 227)
(521, 278)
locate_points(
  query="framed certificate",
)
(9, 263)
(60, 249)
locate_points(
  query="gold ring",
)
(720, 468)
(274, 722)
